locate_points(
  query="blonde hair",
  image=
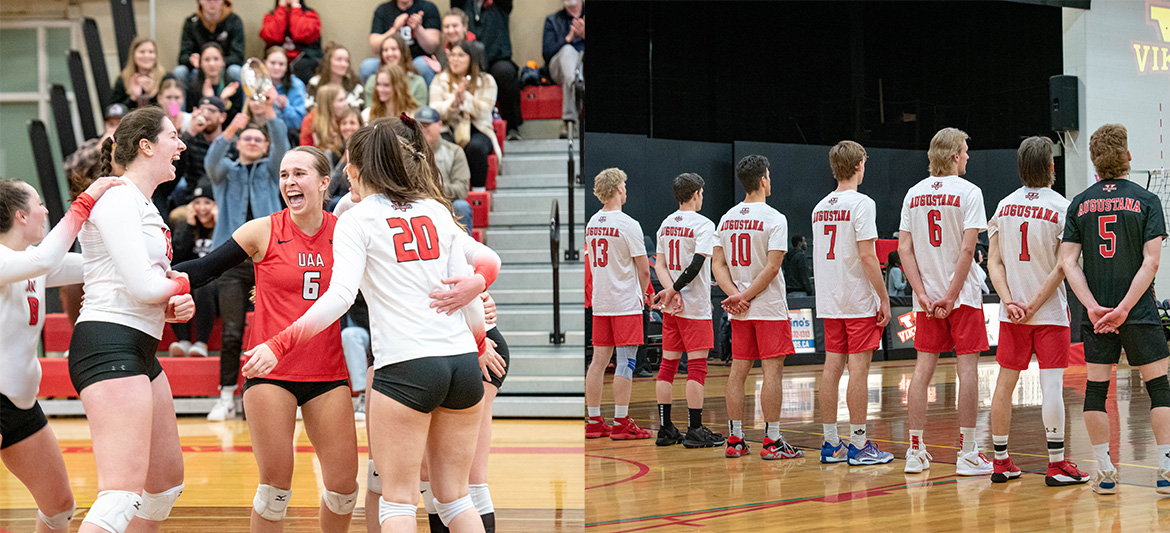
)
(946, 144)
(844, 158)
(1109, 150)
(324, 123)
(401, 100)
(131, 67)
(606, 184)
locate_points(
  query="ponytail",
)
(108, 156)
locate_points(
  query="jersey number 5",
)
(420, 228)
(1108, 249)
(600, 252)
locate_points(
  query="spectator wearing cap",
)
(417, 21)
(212, 22)
(563, 49)
(139, 82)
(489, 22)
(206, 126)
(464, 98)
(450, 160)
(296, 29)
(191, 240)
(112, 117)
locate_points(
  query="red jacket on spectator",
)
(301, 26)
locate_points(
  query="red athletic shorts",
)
(624, 330)
(962, 331)
(752, 340)
(852, 335)
(1017, 343)
(686, 334)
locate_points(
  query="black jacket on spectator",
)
(556, 27)
(197, 146)
(490, 26)
(229, 33)
(797, 274)
(191, 241)
(386, 13)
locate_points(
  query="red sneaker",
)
(1003, 470)
(596, 428)
(626, 429)
(1064, 473)
(779, 449)
(736, 447)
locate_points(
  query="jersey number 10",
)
(741, 249)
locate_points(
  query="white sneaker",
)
(223, 410)
(1106, 481)
(359, 408)
(179, 348)
(198, 349)
(973, 463)
(917, 460)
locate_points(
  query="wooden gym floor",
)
(535, 473)
(637, 486)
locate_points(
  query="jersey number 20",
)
(421, 229)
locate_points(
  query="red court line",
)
(642, 470)
(505, 450)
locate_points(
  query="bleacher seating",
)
(481, 205)
(539, 102)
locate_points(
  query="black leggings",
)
(205, 313)
(235, 287)
(477, 150)
(508, 91)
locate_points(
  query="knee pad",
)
(113, 510)
(448, 511)
(339, 504)
(428, 497)
(59, 521)
(1159, 389)
(626, 361)
(667, 369)
(157, 507)
(697, 370)
(270, 502)
(482, 498)
(387, 510)
(1095, 394)
(373, 480)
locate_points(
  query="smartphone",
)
(173, 109)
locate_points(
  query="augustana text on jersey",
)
(1101, 205)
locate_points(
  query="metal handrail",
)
(554, 244)
(571, 253)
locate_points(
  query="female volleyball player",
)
(129, 293)
(28, 447)
(400, 244)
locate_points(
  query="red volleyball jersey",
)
(294, 273)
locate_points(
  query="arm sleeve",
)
(305, 26)
(485, 261)
(211, 266)
(40, 259)
(68, 272)
(690, 272)
(132, 263)
(273, 26)
(349, 262)
(215, 163)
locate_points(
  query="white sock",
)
(621, 411)
(916, 441)
(772, 430)
(735, 427)
(1164, 456)
(967, 439)
(1000, 444)
(594, 411)
(1101, 452)
(1052, 411)
(831, 434)
(227, 394)
(858, 435)
(427, 498)
(482, 498)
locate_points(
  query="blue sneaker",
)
(833, 454)
(868, 455)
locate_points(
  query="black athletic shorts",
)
(1143, 343)
(17, 424)
(302, 390)
(451, 382)
(502, 349)
(103, 350)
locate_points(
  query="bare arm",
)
(1151, 255)
(643, 264)
(722, 273)
(1070, 254)
(997, 271)
(873, 272)
(1055, 278)
(910, 270)
(771, 269)
(962, 268)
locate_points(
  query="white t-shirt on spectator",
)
(682, 235)
(747, 233)
(840, 221)
(614, 239)
(936, 212)
(1038, 215)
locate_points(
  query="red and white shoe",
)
(1003, 470)
(626, 429)
(736, 447)
(1065, 473)
(596, 428)
(779, 449)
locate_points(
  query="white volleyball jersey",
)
(936, 211)
(747, 233)
(126, 247)
(841, 221)
(682, 235)
(614, 239)
(1030, 225)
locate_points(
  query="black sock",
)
(664, 415)
(696, 416)
(437, 524)
(489, 522)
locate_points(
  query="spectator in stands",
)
(321, 127)
(139, 83)
(489, 22)
(349, 122)
(247, 187)
(192, 240)
(454, 30)
(391, 95)
(464, 98)
(296, 29)
(113, 117)
(206, 126)
(335, 70)
(797, 272)
(211, 81)
(212, 22)
(896, 284)
(417, 21)
(290, 104)
(171, 98)
(451, 161)
(563, 49)
(395, 52)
